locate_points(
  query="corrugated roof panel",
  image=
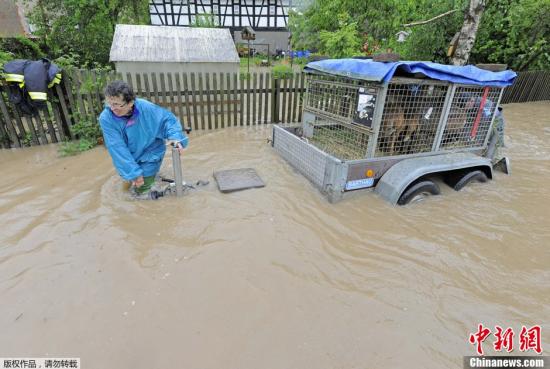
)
(172, 44)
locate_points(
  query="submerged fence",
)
(529, 86)
(201, 101)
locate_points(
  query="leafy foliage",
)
(342, 42)
(281, 71)
(206, 20)
(513, 32)
(89, 134)
(84, 27)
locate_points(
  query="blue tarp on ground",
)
(369, 70)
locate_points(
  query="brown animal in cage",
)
(398, 128)
(458, 118)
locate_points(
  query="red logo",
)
(529, 339)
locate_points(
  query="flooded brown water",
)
(268, 278)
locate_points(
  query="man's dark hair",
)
(120, 88)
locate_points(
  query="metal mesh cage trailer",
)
(353, 131)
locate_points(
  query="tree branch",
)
(429, 20)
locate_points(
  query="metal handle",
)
(178, 178)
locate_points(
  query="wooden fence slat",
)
(254, 97)
(290, 98)
(541, 86)
(51, 130)
(538, 86)
(535, 87)
(194, 103)
(229, 121)
(201, 101)
(138, 90)
(248, 106)
(68, 91)
(186, 97)
(527, 87)
(275, 99)
(208, 104)
(296, 92)
(163, 93)
(97, 80)
(20, 125)
(241, 100)
(40, 128)
(67, 121)
(545, 93)
(215, 99)
(146, 87)
(523, 87)
(92, 106)
(518, 85)
(82, 114)
(223, 101)
(31, 129)
(78, 83)
(5, 136)
(261, 87)
(9, 122)
(59, 121)
(179, 99)
(171, 93)
(284, 96)
(302, 96)
(267, 88)
(235, 99)
(154, 90)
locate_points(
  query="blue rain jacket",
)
(137, 143)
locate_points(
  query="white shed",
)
(146, 49)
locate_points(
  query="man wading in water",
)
(134, 131)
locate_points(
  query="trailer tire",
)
(419, 190)
(459, 180)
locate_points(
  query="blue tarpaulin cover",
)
(369, 70)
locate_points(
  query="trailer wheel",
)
(418, 191)
(460, 179)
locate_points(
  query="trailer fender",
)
(394, 182)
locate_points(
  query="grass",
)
(256, 61)
(341, 142)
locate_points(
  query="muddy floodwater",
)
(273, 277)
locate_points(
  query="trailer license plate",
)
(359, 183)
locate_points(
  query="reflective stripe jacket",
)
(33, 77)
(136, 143)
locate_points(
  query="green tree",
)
(378, 23)
(515, 32)
(345, 41)
(84, 27)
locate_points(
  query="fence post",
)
(275, 100)
(9, 123)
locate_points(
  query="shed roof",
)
(172, 44)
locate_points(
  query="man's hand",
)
(181, 149)
(175, 143)
(138, 182)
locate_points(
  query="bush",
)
(88, 130)
(282, 71)
(89, 134)
(21, 48)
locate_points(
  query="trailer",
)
(393, 127)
